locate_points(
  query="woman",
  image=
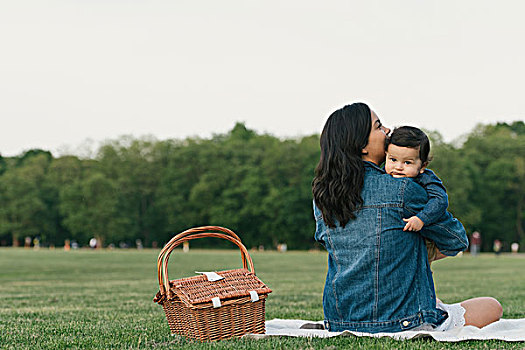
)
(378, 276)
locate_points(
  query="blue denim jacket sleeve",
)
(437, 197)
(448, 233)
(319, 232)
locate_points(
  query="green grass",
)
(51, 299)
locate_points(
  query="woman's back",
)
(378, 275)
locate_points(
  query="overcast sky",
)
(76, 70)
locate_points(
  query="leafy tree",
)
(90, 209)
(458, 176)
(24, 212)
(33, 153)
(289, 203)
(131, 164)
(63, 171)
(493, 155)
(3, 165)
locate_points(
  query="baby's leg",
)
(432, 250)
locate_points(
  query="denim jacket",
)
(437, 197)
(378, 278)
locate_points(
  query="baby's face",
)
(403, 161)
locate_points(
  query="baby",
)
(407, 152)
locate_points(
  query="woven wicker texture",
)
(187, 301)
(228, 321)
(236, 283)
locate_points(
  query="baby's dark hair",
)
(408, 136)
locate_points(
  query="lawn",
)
(52, 299)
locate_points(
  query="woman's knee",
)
(481, 312)
(496, 307)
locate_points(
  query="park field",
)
(84, 299)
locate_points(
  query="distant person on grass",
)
(379, 279)
(475, 243)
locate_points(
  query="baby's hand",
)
(413, 224)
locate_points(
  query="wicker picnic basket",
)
(207, 310)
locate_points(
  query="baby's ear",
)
(423, 167)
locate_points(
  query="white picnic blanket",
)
(505, 329)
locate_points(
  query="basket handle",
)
(196, 233)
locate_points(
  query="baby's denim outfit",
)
(437, 197)
(379, 278)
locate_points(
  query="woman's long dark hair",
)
(339, 175)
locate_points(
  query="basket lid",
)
(235, 284)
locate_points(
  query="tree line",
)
(255, 184)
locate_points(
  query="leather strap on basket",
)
(196, 233)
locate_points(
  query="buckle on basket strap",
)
(216, 302)
(211, 276)
(254, 296)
